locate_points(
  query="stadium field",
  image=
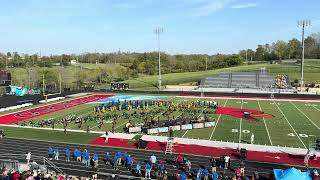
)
(294, 123)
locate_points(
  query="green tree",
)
(280, 49)
(294, 48)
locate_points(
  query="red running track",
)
(40, 111)
(277, 158)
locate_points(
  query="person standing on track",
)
(226, 162)
(67, 151)
(50, 153)
(56, 154)
(252, 138)
(28, 157)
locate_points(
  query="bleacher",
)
(255, 80)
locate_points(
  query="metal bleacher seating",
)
(260, 79)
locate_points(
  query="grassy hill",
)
(312, 74)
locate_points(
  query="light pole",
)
(303, 24)
(159, 31)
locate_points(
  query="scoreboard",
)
(119, 86)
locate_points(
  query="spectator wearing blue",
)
(119, 157)
(125, 156)
(83, 155)
(67, 152)
(215, 175)
(115, 162)
(148, 170)
(87, 158)
(183, 176)
(77, 154)
(50, 153)
(153, 159)
(95, 160)
(56, 154)
(138, 168)
(129, 162)
(205, 173)
(108, 158)
(199, 172)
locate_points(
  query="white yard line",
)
(290, 125)
(265, 124)
(305, 115)
(185, 133)
(316, 108)
(217, 121)
(240, 124)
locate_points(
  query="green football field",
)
(295, 123)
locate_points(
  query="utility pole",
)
(247, 56)
(159, 31)
(206, 63)
(303, 24)
(6, 62)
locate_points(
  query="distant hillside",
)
(312, 74)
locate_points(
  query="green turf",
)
(295, 124)
(45, 135)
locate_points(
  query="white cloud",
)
(207, 7)
(245, 5)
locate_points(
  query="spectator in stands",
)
(226, 161)
(205, 174)
(28, 157)
(242, 168)
(148, 170)
(129, 162)
(67, 154)
(138, 168)
(56, 154)
(199, 173)
(95, 160)
(1, 134)
(153, 160)
(215, 175)
(256, 174)
(179, 160)
(125, 156)
(187, 165)
(162, 168)
(87, 158)
(315, 174)
(119, 155)
(107, 160)
(83, 156)
(115, 162)
(183, 176)
(237, 172)
(50, 153)
(213, 162)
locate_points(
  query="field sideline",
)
(295, 123)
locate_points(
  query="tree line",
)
(280, 50)
(133, 64)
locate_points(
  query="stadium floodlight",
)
(303, 24)
(158, 31)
